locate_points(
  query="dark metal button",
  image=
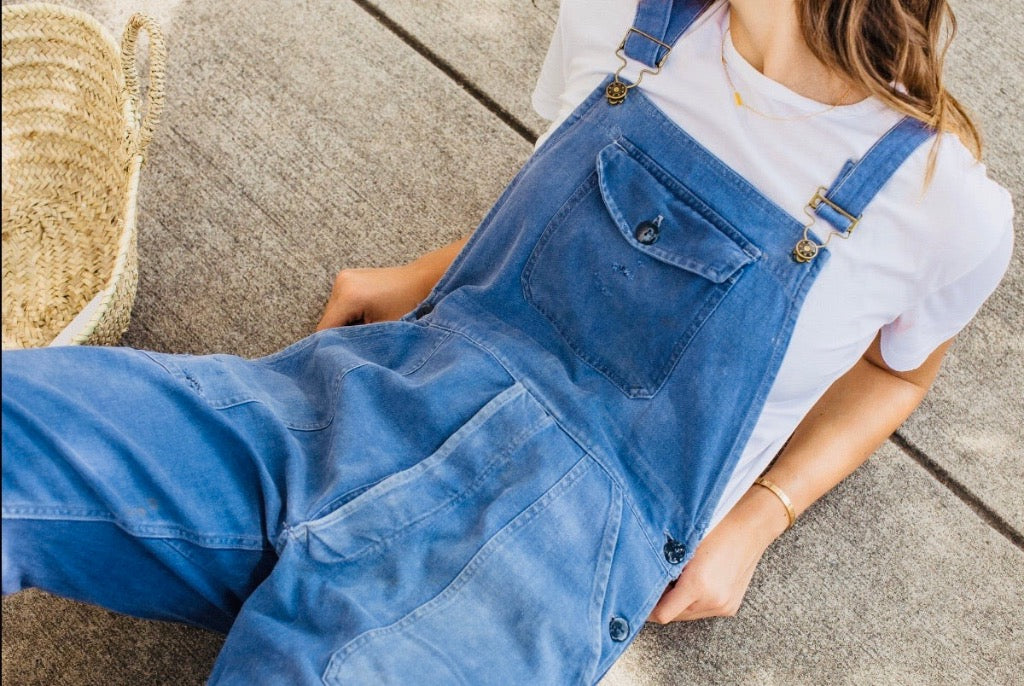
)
(618, 629)
(674, 551)
(647, 232)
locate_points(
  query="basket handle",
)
(143, 126)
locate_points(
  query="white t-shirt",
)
(920, 263)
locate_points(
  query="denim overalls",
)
(494, 490)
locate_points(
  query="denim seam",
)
(590, 185)
(606, 560)
(151, 531)
(488, 550)
(747, 245)
(635, 512)
(429, 354)
(584, 109)
(336, 502)
(347, 333)
(298, 346)
(223, 403)
(152, 358)
(586, 187)
(484, 348)
(784, 277)
(676, 259)
(247, 399)
(336, 382)
(237, 400)
(439, 288)
(619, 648)
(713, 216)
(729, 175)
(860, 161)
(382, 328)
(627, 496)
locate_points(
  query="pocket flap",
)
(685, 234)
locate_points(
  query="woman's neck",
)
(767, 34)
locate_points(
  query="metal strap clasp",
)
(617, 90)
(805, 249)
(819, 197)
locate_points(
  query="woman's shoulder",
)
(959, 178)
(585, 23)
(963, 207)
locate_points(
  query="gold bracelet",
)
(781, 495)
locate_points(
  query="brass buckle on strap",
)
(819, 197)
(806, 249)
(617, 90)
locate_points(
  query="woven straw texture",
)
(74, 138)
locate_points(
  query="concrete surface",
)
(971, 422)
(303, 137)
(496, 45)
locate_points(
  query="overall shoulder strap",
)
(657, 26)
(858, 182)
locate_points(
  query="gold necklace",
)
(738, 99)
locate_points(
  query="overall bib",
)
(496, 489)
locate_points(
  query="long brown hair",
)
(881, 44)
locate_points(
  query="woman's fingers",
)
(344, 306)
(676, 600)
(365, 296)
(689, 599)
(714, 581)
(336, 316)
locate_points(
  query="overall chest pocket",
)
(630, 268)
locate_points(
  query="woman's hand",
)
(715, 580)
(848, 423)
(363, 296)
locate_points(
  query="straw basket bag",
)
(74, 140)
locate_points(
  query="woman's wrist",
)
(761, 514)
(425, 271)
(784, 499)
(420, 277)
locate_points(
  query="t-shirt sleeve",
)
(551, 81)
(909, 339)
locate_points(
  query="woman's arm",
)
(373, 295)
(847, 424)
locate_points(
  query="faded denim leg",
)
(122, 487)
(162, 486)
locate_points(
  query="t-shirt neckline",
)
(776, 100)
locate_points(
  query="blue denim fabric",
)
(496, 489)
